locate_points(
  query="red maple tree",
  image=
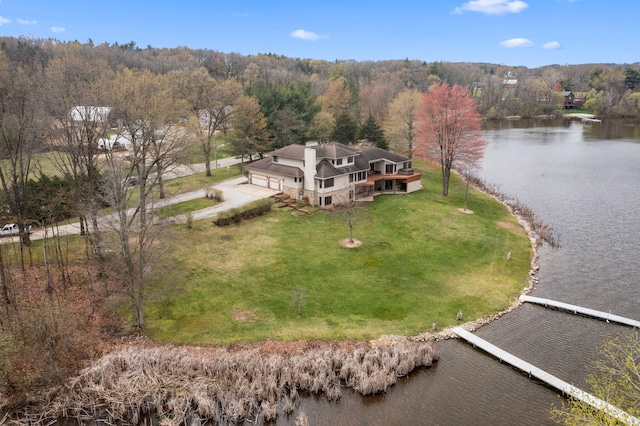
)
(449, 130)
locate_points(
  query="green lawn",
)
(421, 261)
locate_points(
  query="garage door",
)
(260, 180)
(274, 183)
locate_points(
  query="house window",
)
(349, 160)
(328, 183)
(328, 201)
(275, 158)
(390, 169)
(339, 162)
(350, 177)
(350, 195)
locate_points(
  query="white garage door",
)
(260, 180)
(274, 183)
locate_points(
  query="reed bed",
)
(177, 386)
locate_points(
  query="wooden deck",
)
(606, 316)
(543, 376)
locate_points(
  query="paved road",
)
(236, 192)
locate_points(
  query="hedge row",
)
(237, 215)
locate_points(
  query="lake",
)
(582, 179)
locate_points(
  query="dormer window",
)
(349, 160)
(339, 162)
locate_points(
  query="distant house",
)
(332, 174)
(569, 99)
(90, 114)
(116, 142)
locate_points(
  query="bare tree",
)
(76, 95)
(349, 211)
(251, 136)
(22, 125)
(148, 116)
(400, 126)
(210, 104)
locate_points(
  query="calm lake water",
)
(582, 179)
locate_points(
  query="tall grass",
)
(229, 387)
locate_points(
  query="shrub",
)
(214, 194)
(255, 209)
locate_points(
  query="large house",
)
(332, 174)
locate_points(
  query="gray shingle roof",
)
(290, 151)
(267, 164)
(330, 150)
(373, 153)
(334, 150)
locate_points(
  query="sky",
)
(529, 33)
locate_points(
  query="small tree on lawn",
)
(449, 129)
(350, 212)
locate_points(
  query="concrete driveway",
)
(236, 193)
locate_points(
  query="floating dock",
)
(606, 316)
(533, 371)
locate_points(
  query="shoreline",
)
(473, 325)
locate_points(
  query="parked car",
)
(11, 229)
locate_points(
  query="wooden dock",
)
(606, 316)
(543, 376)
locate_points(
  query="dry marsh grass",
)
(226, 386)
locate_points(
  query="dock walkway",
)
(606, 316)
(549, 379)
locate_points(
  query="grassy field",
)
(422, 260)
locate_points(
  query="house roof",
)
(290, 151)
(334, 150)
(324, 170)
(373, 153)
(328, 150)
(267, 164)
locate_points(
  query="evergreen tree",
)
(345, 129)
(372, 132)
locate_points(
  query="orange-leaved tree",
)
(448, 130)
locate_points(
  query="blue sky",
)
(509, 32)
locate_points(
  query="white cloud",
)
(517, 42)
(25, 22)
(305, 35)
(4, 20)
(58, 29)
(551, 45)
(492, 7)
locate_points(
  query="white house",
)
(332, 174)
(90, 113)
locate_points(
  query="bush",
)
(237, 215)
(214, 194)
